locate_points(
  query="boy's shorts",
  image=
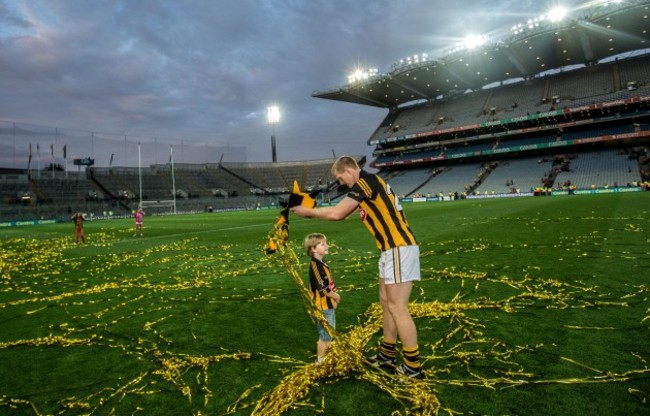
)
(330, 315)
(400, 264)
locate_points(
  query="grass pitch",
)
(528, 306)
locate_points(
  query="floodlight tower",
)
(273, 116)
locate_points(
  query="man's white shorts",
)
(400, 264)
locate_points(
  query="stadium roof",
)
(601, 31)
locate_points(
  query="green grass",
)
(529, 306)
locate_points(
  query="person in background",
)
(78, 220)
(138, 216)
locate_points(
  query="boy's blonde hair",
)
(312, 241)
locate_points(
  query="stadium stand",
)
(407, 182)
(115, 191)
(516, 175)
(601, 169)
(455, 179)
(558, 107)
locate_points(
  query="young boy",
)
(323, 290)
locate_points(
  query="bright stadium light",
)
(534, 23)
(360, 74)
(410, 60)
(273, 117)
(474, 41)
(517, 29)
(556, 14)
(273, 114)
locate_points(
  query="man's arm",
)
(337, 212)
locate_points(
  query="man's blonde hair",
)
(312, 240)
(343, 163)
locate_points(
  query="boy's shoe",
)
(379, 361)
(409, 372)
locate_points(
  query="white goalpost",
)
(159, 207)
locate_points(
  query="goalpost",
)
(159, 207)
(160, 204)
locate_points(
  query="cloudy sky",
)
(200, 74)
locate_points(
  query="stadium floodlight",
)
(273, 117)
(554, 15)
(517, 29)
(557, 14)
(415, 59)
(360, 74)
(535, 23)
(474, 41)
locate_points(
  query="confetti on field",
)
(95, 305)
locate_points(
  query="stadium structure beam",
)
(587, 50)
(523, 71)
(341, 94)
(356, 91)
(420, 94)
(462, 82)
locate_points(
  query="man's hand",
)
(301, 211)
(337, 212)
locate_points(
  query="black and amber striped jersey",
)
(320, 283)
(381, 212)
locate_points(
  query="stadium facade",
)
(559, 105)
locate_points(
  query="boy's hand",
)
(336, 298)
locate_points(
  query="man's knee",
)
(397, 308)
(383, 299)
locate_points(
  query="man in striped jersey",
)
(399, 262)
